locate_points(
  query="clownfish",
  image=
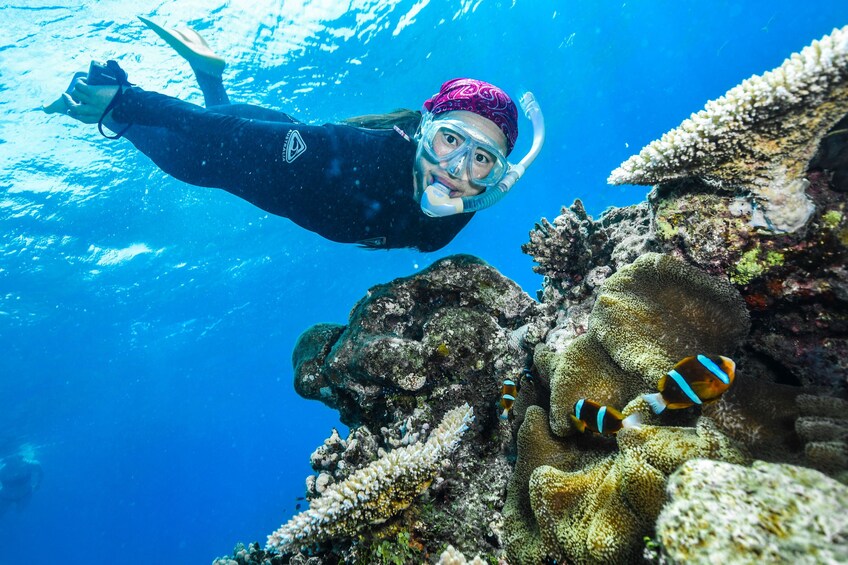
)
(601, 419)
(508, 392)
(694, 380)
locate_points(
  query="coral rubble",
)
(760, 136)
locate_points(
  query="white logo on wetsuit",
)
(295, 146)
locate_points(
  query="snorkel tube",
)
(436, 201)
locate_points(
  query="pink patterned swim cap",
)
(483, 99)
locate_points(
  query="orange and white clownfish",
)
(508, 392)
(601, 419)
(694, 380)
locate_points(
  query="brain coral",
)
(760, 135)
(766, 513)
(599, 513)
(575, 497)
(648, 316)
(537, 447)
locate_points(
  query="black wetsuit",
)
(347, 184)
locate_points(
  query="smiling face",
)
(465, 151)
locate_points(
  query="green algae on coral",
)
(831, 219)
(748, 267)
(751, 266)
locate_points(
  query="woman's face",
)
(456, 178)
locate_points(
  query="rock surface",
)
(766, 513)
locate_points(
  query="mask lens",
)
(447, 140)
(482, 164)
(458, 149)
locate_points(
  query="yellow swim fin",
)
(191, 47)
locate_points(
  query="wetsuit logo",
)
(373, 243)
(295, 146)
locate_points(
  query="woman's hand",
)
(87, 103)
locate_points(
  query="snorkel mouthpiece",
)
(436, 200)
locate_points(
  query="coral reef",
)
(579, 501)
(713, 262)
(575, 502)
(600, 514)
(576, 255)
(732, 141)
(647, 316)
(537, 447)
(460, 507)
(415, 335)
(451, 556)
(823, 425)
(376, 492)
(795, 287)
(767, 513)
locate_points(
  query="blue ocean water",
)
(146, 326)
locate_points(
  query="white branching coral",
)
(452, 556)
(759, 136)
(376, 492)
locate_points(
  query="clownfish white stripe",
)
(684, 386)
(655, 401)
(601, 413)
(632, 421)
(578, 407)
(714, 369)
(508, 397)
(508, 382)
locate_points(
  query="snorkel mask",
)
(459, 147)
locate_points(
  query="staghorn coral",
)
(759, 137)
(647, 316)
(376, 492)
(600, 513)
(766, 513)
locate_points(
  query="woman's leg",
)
(212, 87)
(175, 153)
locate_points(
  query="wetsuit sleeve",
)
(145, 108)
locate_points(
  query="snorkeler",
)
(19, 477)
(403, 179)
